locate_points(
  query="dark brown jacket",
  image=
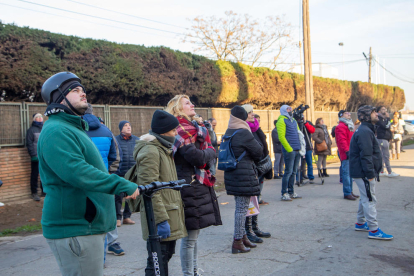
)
(319, 136)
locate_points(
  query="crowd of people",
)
(97, 170)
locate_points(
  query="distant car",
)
(408, 128)
(409, 121)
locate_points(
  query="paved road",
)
(310, 236)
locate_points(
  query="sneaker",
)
(379, 235)
(197, 272)
(1, 204)
(285, 197)
(116, 250)
(363, 227)
(383, 174)
(294, 196)
(393, 174)
(35, 197)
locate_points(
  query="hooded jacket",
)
(32, 137)
(343, 138)
(103, 139)
(80, 191)
(243, 180)
(365, 158)
(287, 129)
(155, 162)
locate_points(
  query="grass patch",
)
(408, 142)
(24, 228)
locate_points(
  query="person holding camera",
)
(155, 162)
(287, 129)
(323, 145)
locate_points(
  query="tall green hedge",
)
(138, 75)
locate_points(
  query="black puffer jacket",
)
(126, 149)
(200, 202)
(383, 127)
(243, 180)
(32, 136)
(365, 159)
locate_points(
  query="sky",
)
(386, 26)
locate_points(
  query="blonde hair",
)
(175, 107)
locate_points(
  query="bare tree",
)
(241, 38)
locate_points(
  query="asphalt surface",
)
(310, 236)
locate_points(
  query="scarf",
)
(166, 141)
(236, 123)
(39, 124)
(348, 122)
(126, 136)
(56, 108)
(189, 133)
(253, 126)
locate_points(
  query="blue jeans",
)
(346, 178)
(110, 239)
(291, 167)
(188, 252)
(340, 168)
(308, 158)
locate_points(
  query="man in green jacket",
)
(155, 162)
(79, 208)
(288, 131)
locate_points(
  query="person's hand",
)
(134, 195)
(387, 114)
(163, 229)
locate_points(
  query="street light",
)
(343, 72)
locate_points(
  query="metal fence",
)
(16, 118)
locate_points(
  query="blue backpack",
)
(226, 160)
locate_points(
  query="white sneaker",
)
(383, 174)
(393, 174)
(1, 204)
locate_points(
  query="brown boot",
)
(238, 247)
(393, 157)
(398, 156)
(248, 243)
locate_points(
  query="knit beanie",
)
(122, 123)
(37, 115)
(341, 113)
(364, 113)
(163, 122)
(239, 112)
(248, 108)
(66, 88)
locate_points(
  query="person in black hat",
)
(154, 154)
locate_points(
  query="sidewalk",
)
(310, 236)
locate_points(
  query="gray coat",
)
(32, 137)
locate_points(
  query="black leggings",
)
(167, 250)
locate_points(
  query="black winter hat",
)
(364, 113)
(341, 113)
(163, 122)
(122, 123)
(239, 112)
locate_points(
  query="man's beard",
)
(80, 108)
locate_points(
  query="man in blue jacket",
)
(126, 145)
(104, 140)
(365, 163)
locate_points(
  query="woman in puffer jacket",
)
(242, 182)
(252, 222)
(193, 153)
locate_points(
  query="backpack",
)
(333, 132)
(226, 160)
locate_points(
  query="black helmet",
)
(364, 113)
(56, 81)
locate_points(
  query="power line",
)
(98, 17)
(80, 3)
(111, 26)
(393, 73)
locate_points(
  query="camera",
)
(298, 113)
(207, 124)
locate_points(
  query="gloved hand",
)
(34, 159)
(163, 229)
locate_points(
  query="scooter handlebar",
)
(158, 185)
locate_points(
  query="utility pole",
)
(309, 99)
(369, 65)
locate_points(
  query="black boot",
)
(320, 173)
(250, 233)
(256, 229)
(325, 173)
